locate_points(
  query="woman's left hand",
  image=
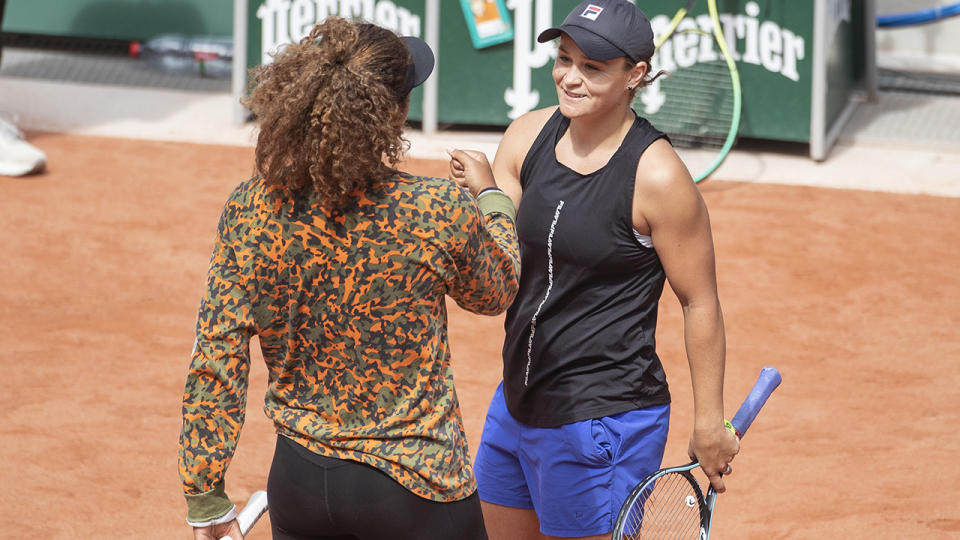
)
(714, 448)
(216, 532)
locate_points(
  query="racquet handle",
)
(766, 383)
(256, 506)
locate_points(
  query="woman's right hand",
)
(470, 169)
(230, 529)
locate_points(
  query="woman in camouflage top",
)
(340, 264)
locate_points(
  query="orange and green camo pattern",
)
(349, 308)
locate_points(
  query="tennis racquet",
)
(697, 104)
(670, 503)
(246, 518)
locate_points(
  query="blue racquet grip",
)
(766, 383)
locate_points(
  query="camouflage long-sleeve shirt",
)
(350, 313)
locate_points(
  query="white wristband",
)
(489, 190)
(226, 518)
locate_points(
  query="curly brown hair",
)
(331, 110)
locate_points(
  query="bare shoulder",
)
(526, 127)
(661, 169)
(516, 142)
(664, 189)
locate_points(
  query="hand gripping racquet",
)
(670, 503)
(256, 506)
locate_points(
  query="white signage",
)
(761, 43)
(528, 54)
(288, 21)
(750, 40)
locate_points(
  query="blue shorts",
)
(575, 476)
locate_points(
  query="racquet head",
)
(668, 504)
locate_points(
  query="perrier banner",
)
(772, 41)
(271, 24)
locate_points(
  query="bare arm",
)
(471, 170)
(668, 205)
(509, 158)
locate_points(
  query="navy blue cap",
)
(607, 29)
(421, 64)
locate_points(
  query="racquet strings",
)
(699, 105)
(669, 508)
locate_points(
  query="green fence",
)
(800, 62)
(119, 19)
(773, 42)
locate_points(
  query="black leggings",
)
(315, 497)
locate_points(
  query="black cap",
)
(421, 65)
(607, 29)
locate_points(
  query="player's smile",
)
(572, 95)
(585, 85)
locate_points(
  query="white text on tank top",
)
(533, 321)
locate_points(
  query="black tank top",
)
(580, 334)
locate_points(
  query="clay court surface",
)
(853, 295)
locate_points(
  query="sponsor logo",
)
(287, 21)
(528, 53)
(592, 12)
(750, 39)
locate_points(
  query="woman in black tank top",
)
(607, 213)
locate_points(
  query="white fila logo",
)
(592, 12)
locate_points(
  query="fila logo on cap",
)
(592, 12)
